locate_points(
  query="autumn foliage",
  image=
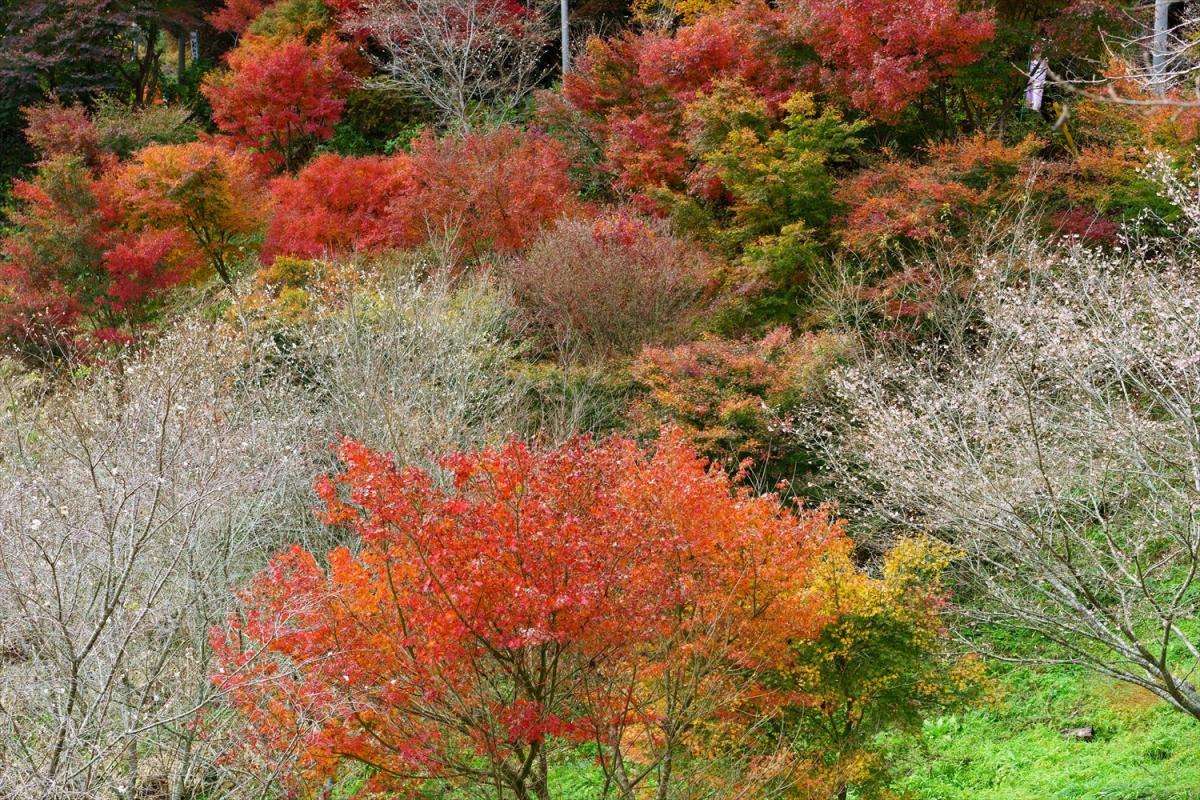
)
(735, 399)
(879, 663)
(587, 593)
(56, 130)
(280, 98)
(336, 205)
(884, 54)
(487, 191)
(479, 192)
(234, 16)
(72, 276)
(201, 192)
(632, 90)
(901, 202)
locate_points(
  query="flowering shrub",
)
(1051, 417)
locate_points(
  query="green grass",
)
(1013, 749)
(1143, 749)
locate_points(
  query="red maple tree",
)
(281, 98)
(336, 205)
(883, 54)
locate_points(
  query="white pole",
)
(1159, 45)
(566, 37)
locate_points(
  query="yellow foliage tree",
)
(208, 193)
(881, 662)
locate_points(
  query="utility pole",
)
(566, 36)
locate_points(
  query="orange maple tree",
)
(207, 194)
(590, 592)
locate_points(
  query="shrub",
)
(124, 131)
(1049, 436)
(335, 206)
(735, 399)
(492, 191)
(608, 285)
(291, 291)
(475, 193)
(152, 487)
(414, 367)
(55, 130)
(898, 203)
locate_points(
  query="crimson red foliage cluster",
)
(483, 191)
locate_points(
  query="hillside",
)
(717, 399)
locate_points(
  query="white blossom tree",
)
(1053, 434)
(137, 496)
(461, 56)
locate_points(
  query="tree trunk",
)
(181, 54)
(664, 776)
(1162, 27)
(541, 777)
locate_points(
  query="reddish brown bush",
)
(609, 284)
(55, 130)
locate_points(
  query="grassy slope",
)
(1014, 751)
